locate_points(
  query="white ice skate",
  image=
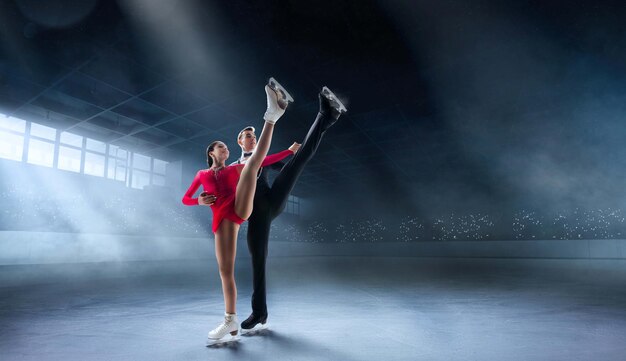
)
(277, 100)
(227, 331)
(334, 100)
(279, 88)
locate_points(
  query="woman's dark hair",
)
(209, 149)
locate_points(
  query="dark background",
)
(456, 108)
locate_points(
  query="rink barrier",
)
(46, 247)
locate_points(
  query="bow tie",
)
(247, 154)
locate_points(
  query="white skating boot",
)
(227, 331)
(277, 100)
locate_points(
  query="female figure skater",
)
(232, 191)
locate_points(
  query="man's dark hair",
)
(245, 129)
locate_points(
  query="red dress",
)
(224, 188)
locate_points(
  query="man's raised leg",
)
(330, 111)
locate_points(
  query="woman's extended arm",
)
(188, 197)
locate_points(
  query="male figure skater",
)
(270, 201)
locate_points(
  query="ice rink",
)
(320, 308)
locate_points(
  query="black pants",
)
(269, 202)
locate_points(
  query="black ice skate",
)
(331, 108)
(253, 324)
(335, 103)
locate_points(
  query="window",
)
(118, 163)
(41, 131)
(94, 164)
(293, 205)
(140, 179)
(117, 169)
(158, 172)
(11, 146)
(158, 180)
(95, 157)
(14, 124)
(141, 162)
(70, 152)
(11, 137)
(141, 170)
(77, 153)
(96, 146)
(41, 152)
(69, 159)
(41, 145)
(115, 151)
(159, 166)
(72, 139)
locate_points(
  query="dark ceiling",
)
(167, 77)
(192, 72)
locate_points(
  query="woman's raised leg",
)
(246, 187)
(247, 180)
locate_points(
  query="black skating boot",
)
(330, 107)
(253, 323)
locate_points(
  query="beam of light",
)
(96, 214)
(58, 13)
(528, 116)
(182, 38)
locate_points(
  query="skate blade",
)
(333, 98)
(279, 88)
(224, 341)
(256, 330)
